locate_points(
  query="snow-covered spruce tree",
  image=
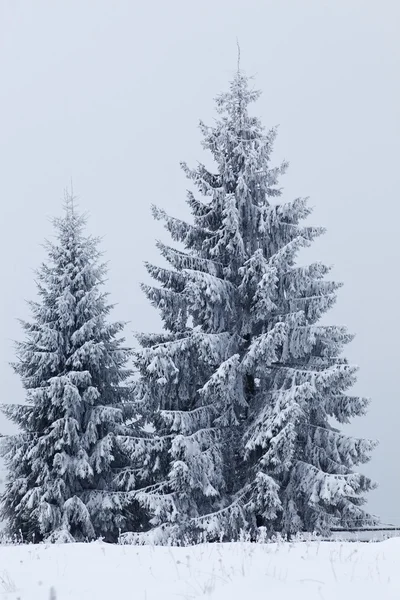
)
(68, 462)
(243, 387)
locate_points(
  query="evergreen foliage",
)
(67, 465)
(244, 386)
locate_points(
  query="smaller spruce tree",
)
(67, 466)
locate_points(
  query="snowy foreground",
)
(320, 570)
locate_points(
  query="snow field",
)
(237, 571)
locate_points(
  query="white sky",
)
(110, 93)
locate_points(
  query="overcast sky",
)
(110, 93)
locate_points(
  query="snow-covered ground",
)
(304, 571)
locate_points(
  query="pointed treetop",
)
(71, 223)
(69, 200)
(72, 196)
(238, 57)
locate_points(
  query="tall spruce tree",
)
(244, 387)
(67, 464)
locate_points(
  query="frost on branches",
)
(244, 385)
(67, 464)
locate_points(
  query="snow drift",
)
(237, 571)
